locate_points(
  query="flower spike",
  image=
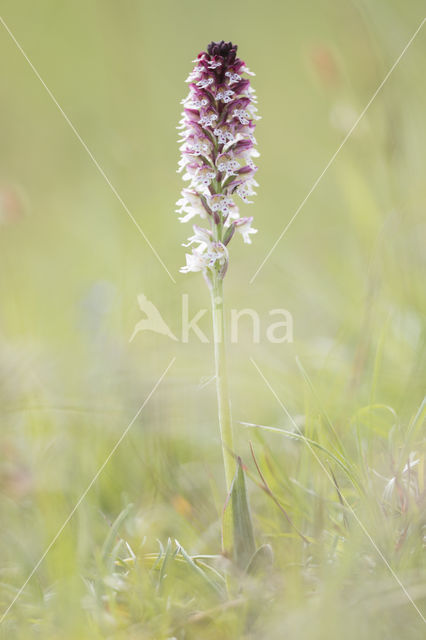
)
(217, 147)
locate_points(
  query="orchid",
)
(218, 149)
(217, 152)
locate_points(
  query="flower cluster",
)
(217, 147)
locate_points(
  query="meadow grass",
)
(330, 428)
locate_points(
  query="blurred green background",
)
(350, 269)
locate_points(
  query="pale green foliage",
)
(350, 269)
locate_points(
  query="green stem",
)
(223, 401)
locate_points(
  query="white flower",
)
(218, 254)
(195, 261)
(193, 147)
(233, 77)
(194, 75)
(201, 236)
(206, 256)
(224, 134)
(204, 176)
(214, 64)
(225, 95)
(205, 82)
(191, 205)
(246, 190)
(198, 104)
(227, 164)
(242, 115)
(220, 202)
(243, 226)
(208, 120)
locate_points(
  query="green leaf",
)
(198, 570)
(238, 536)
(168, 555)
(312, 443)
(261, 561)
(228, 234)
(418, 419)
(113, 532)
